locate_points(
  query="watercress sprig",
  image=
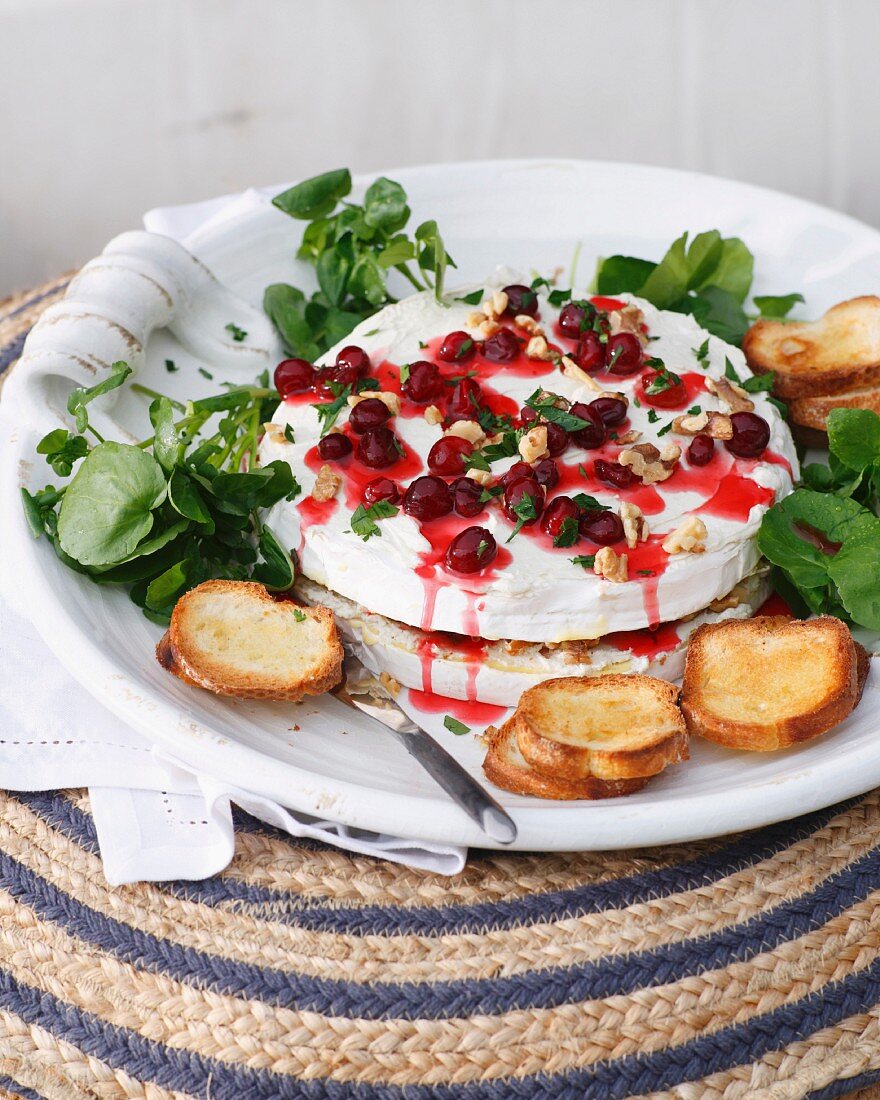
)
(180, 507)
(353, 248)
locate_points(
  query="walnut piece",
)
(688, 538)
(634, 526)
(648, 463)
(533, 444)
(275, 433)
(571, 370)
(528, 324)
(613, 567)
(466, 429)
(391, 401)
(716, 425)
(389, 683)
(537, 348)
(733, 395)
(632, 436)
(433, 415)
(326, 484)
(629, 319)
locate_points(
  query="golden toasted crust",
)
(767, 683)
(232, 638)
(812, 412)
(837, 353)
(608, 727)
(505, 767)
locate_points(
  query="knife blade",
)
(441, 765)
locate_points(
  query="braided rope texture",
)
(737, 968)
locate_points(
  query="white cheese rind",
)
(539, 596)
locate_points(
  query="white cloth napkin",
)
(155, 819)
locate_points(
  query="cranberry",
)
(527, 416)
(516, 472)
(447, 455)
(751, 434)
(456, 347)
(590, 352)
(558, 511)
(382, 488)
(521, 299)
(325, 382)
(367, 414)
(428, 498)
(670, 394)
(603, 528)
(378, 447)
(626, 360)
(352, 363)
(294, 376)
(592, 434)
(516, 491)
(575, 318)
(465, 400)
(557, 439)
(613, 473)
(334, 446)
(501, 347)
(611, 409)
(546, 473)
(471, 550)
(424, 383)
(701, 450)
(467, 496)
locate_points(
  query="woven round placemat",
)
(742, 967)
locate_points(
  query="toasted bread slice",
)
(506, 767)
(232, 638)
(767, 683)
(812, 412)
(605, 727)
(837, 353)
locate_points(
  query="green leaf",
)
(622, 274)
(84, 395)
(703, 257)
(588, 503)
(62, 449)
(668, 282)
(162, 591)
(237, 334)
(167, 448)
(367, 280)
(285, 307)
(108, 507)
(454, 726)
(544, 404)
(735, 269)
(363, 520)
(399, 250)
(315, 197)
(276, 570)
(385, 205)
(776, 306)
(185, 498)
(718, 311)
(585, 561)
(328, 413)
(472, 299)
(333, 270)
(759, 383)
(568, 533)
(33, 514)
(854, 437)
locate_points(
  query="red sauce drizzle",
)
(471, 713)
(645, 643)
(313, 513)
(356, 476)
(775, 605)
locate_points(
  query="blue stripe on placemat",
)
(19, 1090)
(613, 975)
(11, 351)
(442, 920)
(146, 1060)
(845, 1085)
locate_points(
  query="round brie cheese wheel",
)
(533, 591)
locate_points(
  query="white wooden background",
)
(108, 107)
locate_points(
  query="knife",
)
(443, 768)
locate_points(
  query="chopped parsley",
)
(525, 509)
(454, 726)
(568, 533)
(206, 374)
(328, 413)
(652, 416)
(472, 299)
(237, 334)
(171, 366)
(694, 410)
(664, 379)
(545, 405)
(586, 503)
(730, 371)
(363, 520)
(404, 373)
(702, 354)
(299, 615)
(288, 433)
(585, 561)
(666, 428)
(759, 383)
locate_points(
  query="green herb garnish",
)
(363, 520)
(525, 509)
(454, 726)
(585, 561)
(300, 616)
(237, 334)
(586, 503)
(568, 532)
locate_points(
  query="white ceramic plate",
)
(529, 214)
